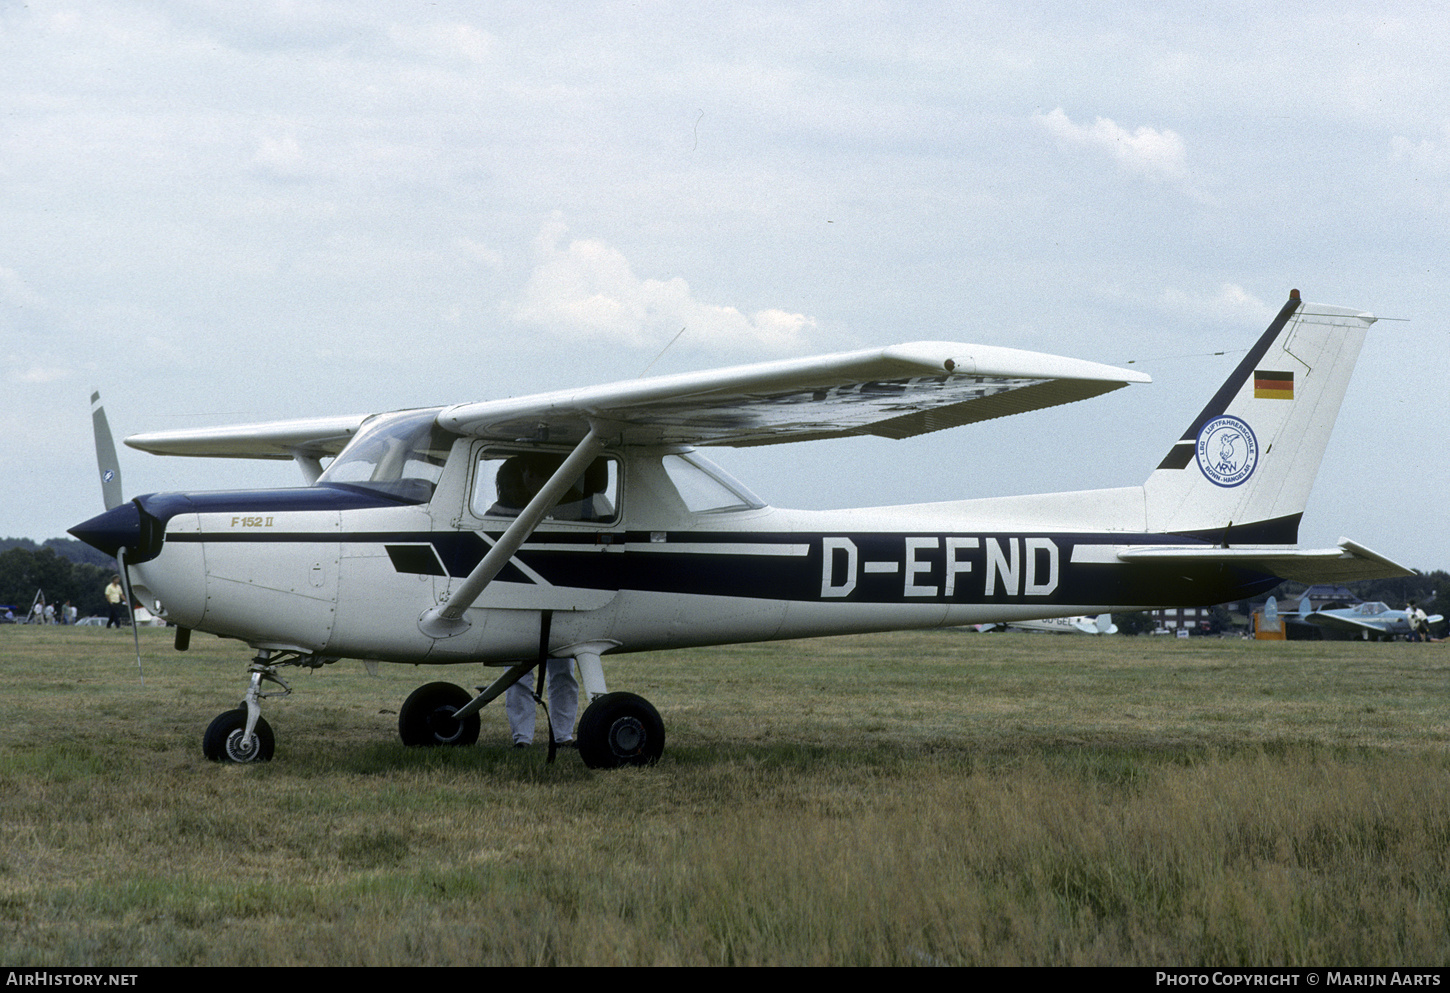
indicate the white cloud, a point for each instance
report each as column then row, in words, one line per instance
column 1146, row 151
column 41, row 375
column 587, row 290
column 1425, row 156
column 281, row 158
column 1231, row 303
column 490, row 258
column 14, row 291
column 448, row 41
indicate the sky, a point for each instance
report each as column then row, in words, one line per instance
column 218, row 213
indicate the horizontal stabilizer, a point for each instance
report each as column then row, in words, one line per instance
column 1350, row 561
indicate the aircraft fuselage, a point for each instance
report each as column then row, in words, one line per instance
column 340, row 572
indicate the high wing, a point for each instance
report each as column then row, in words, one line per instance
column 316, row 437
column 892, row 392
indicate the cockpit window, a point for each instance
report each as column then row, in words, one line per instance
column 705, row 487
column 401, row 455
column 505, row 483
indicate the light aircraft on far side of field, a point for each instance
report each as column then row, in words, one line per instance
column 1082, row 624
column 585, row 523
column 1371, row 621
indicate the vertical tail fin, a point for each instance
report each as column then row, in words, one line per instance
column 1242, row 471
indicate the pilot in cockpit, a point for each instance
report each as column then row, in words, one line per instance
column 513, row 495
column 522, row 476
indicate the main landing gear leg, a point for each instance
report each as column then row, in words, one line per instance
column 617, row 729
column 242, row 735
column 431, row 716
column 445, row 714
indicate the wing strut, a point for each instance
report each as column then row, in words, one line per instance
column 516, row 672
column 446, row 619
column 309, row 463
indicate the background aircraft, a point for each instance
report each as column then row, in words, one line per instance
column 585, row 523
column 1082, row 624
column 1371, row 621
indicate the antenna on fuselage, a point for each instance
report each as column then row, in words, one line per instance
column 662, row 353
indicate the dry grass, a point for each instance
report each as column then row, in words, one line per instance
column 932, row 798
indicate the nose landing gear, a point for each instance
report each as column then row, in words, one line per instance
column 242, row 735
column 228, row 740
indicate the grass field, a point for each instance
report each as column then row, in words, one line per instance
column 917, row 799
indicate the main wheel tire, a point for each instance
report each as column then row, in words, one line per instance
column 427, row 717
column 620, row 729
column 223, row 741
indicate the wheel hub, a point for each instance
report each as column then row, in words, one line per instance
column 627, row 736
column 240, row 748
column 444, row 725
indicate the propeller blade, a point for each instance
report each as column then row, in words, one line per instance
column 106, row 461
column 130, row 606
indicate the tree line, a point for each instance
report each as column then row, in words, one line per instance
column 26, row 568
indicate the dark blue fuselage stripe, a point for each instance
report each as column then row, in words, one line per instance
column 918, row 575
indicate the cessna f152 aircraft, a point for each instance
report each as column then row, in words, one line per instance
column 584, row 523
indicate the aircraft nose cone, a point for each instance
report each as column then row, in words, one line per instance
column 120, row 526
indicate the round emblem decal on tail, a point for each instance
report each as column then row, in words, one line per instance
column 1227, row 451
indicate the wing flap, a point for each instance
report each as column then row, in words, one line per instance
column 1349, row 561
column 893, row 392
column 315, row 437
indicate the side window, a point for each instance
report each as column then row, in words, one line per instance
column 706, row 490
column 505, row 482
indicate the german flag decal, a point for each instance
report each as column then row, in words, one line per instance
column 1273, row 385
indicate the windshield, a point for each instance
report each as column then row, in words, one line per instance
column 401, row 455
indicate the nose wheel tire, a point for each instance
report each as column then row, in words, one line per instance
column 427, row 719
column 224, row 740
column 620, row 729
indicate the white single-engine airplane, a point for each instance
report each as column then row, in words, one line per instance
column 582, row 523
column 1370, row 621
column 1080, row 624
